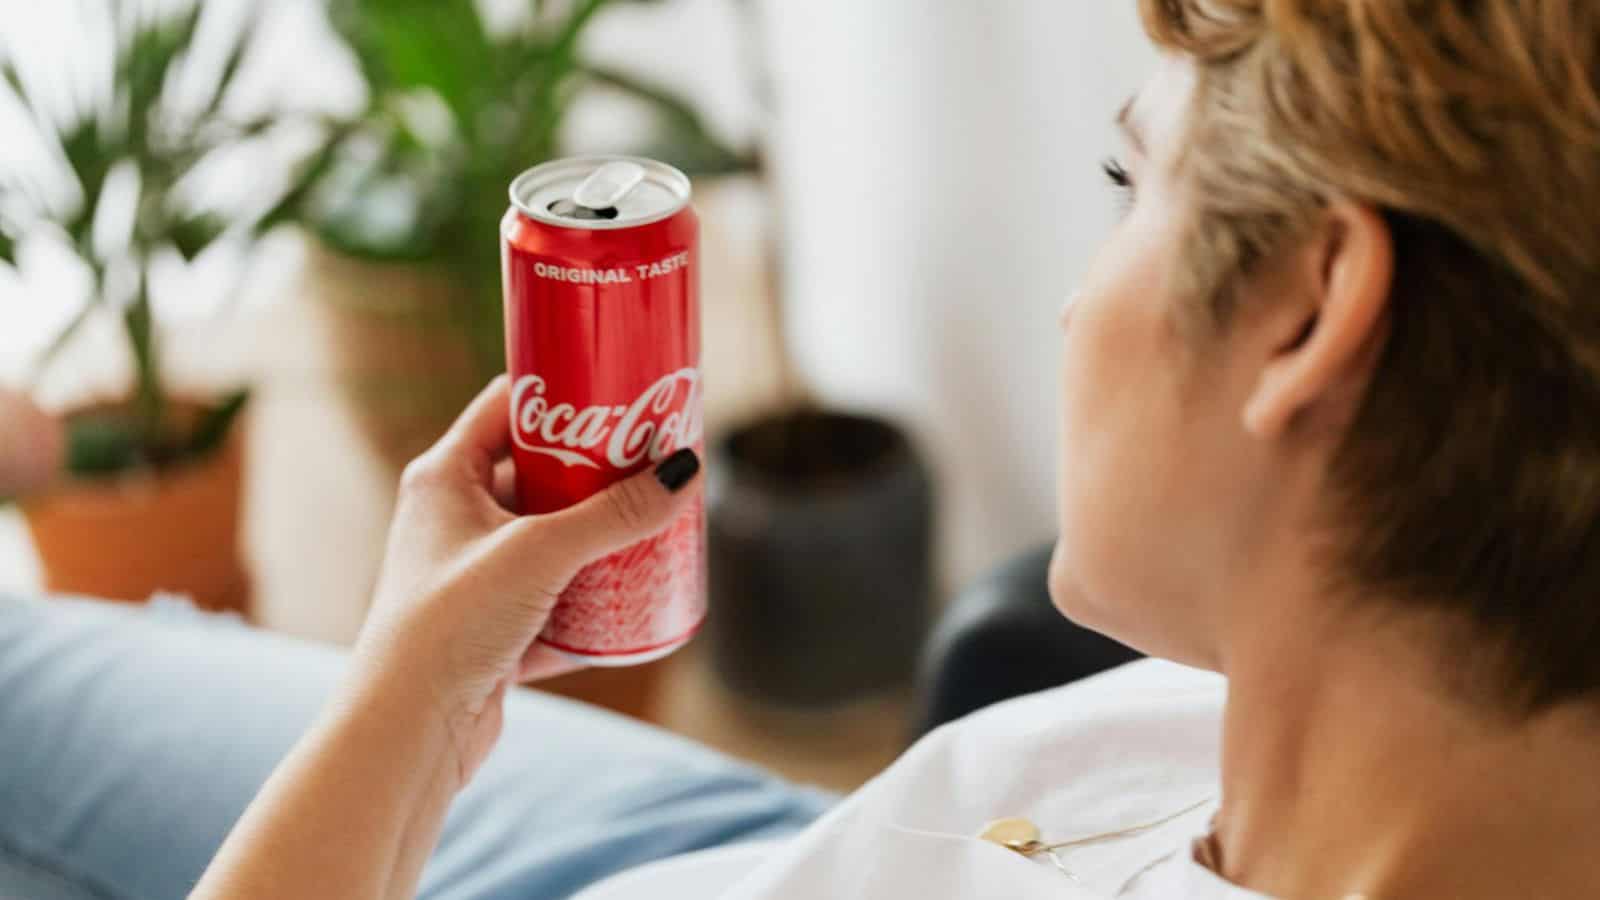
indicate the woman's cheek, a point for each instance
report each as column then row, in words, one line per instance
column 1085, row 431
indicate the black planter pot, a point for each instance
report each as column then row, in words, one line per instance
column 821, row 558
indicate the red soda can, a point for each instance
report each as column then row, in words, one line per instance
column 601, row 270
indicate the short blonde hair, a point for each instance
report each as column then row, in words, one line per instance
column 1470, row 481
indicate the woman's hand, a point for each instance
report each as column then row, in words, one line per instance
column 356, row 807
column 467, row 584
column 32, row 445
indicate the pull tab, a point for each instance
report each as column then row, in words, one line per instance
column 608, row 185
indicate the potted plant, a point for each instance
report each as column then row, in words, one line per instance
column 152, row 497
column 406, row 261
column 821, row 544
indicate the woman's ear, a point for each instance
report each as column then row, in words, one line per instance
column 1345, row 271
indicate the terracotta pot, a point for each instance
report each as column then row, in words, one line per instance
column 125, row 538
column 402, row 364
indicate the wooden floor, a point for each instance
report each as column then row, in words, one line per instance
column 319, row 500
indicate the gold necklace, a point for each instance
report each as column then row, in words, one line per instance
column 1022, row 837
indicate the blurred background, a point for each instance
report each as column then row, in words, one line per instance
column 250, row 249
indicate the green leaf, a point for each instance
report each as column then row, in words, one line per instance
column 194, row 234
column 214, row 425
column 62, row 340
column 102, row 444
column 566, row 41
column 149, row 390
column 13, row 80
column 91, row 154
column 685, row 141
column 147, row 60
column 307, row 177
column 407, row 45
column 403, row 204
column 230, row 64
column 110, row 440
column 537, row 90
column 8, row 249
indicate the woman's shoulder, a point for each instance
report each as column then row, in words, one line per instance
column 1149, row 729
column 1153, row 690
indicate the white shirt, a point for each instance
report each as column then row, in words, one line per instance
column 1116, row 751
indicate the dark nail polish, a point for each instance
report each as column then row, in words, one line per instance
column 677, row 469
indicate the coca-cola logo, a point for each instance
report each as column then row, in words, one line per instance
column 663, row 418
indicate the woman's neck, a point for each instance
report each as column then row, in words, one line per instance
column 1346, row 771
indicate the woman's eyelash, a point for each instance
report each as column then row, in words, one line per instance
column 1117, row 173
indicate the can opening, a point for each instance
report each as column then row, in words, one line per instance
column 567, row 209
column 600, row 193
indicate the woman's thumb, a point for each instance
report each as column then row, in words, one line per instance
column 626, row 512
column 32, row 446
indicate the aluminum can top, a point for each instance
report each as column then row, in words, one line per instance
column 601, row 193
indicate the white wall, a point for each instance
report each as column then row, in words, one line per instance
column 938, row 163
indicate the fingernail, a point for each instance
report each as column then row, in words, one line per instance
column 677, row 469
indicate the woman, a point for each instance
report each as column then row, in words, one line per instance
column 1330, row 394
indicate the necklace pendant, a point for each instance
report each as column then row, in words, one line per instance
column 1016, row 834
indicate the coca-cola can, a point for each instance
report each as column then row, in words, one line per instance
column 601, row 272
